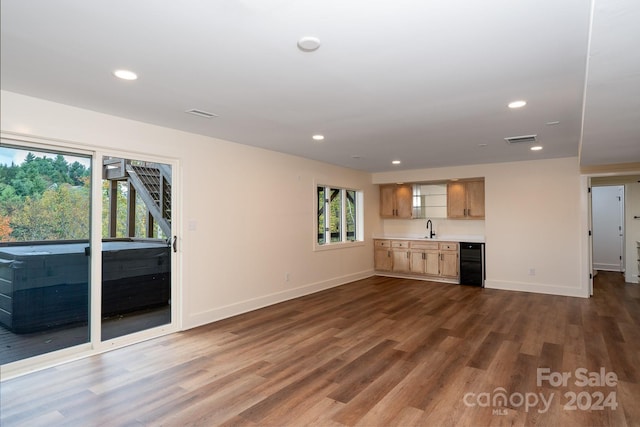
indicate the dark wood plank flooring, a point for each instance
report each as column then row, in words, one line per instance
column 377, row 352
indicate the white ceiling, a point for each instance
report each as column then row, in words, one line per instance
column 425, row 82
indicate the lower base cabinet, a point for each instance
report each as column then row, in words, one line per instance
column 382, row 260
column 430, row 259
column 449, row 265
column 425, row 258
column 401, row 256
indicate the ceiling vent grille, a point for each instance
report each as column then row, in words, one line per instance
column 201, row 113
column 521, row 139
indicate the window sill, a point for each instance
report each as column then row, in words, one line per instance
column 341, row 245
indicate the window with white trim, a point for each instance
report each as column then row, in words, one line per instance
column 339, row 218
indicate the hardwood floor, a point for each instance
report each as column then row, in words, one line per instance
column 377, row 352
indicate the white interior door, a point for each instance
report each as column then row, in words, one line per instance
column 608, row 227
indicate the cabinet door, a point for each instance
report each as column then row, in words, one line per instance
column 387, row 201
column 432, row 263
column 449, row 263
column 417, row 262
column 382, row 259
column 456, row 200
column 401, row 260
column 404, row 201
column 475, row 199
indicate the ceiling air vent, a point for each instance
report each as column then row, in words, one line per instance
column 519, row 139
column 201, row 113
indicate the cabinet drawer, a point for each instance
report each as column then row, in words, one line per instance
column 400, row 244
column 382, row 244
column 448, row 246
column 424, row 245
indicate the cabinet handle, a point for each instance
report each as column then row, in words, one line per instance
column 388, row 254
column 423, row 256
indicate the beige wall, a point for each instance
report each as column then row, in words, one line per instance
column 253, row 209
column 534, row 218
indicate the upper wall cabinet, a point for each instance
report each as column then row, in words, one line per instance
column 465, row 199
column 396, row 201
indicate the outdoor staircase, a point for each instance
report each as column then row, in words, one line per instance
column 151, row 181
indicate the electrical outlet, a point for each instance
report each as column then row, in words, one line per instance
column 532, row 272
column 286, row 277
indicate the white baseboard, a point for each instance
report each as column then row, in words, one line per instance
column 538, row 288
column 417, row 277
column 631, row 278
column 606, row 267
column 219, row 313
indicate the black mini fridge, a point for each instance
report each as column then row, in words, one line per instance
column 472, row 264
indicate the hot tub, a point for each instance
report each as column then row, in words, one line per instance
column 46, row 285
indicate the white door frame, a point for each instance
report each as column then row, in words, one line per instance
column 96, row 262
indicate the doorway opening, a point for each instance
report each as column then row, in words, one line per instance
column 625, row 214
column 607, row 204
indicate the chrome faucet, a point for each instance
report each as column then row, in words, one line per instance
column 432, row 234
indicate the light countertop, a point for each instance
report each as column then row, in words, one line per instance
column 443, row 238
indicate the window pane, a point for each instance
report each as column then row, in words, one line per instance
column 321, row 217
column 45, row 200
column 335, row 225
column 351, row 216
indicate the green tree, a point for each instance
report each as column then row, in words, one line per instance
column 10, row 201
column 62, row 213
column 78, row 174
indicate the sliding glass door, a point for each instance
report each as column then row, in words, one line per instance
column 136, row 246
column 85, row 260
column 45, row 205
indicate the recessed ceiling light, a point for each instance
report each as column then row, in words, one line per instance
column 517, row 104
column 308, row 44
column 482, row 145
column 125, row 75
column 536, row 148
column 318, row 137
column 555, row 122
column 396, row 162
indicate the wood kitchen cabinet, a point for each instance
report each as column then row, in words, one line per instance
column 382, row 260
column 396, row 201
column 465, row 199
column 449, row 260
column 401, row 256
column 425, row 258
column 432, row 260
